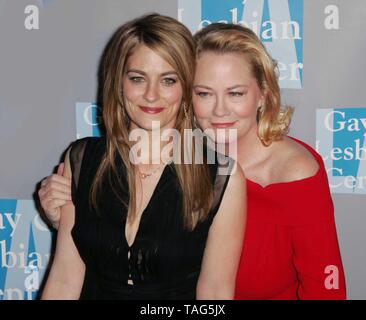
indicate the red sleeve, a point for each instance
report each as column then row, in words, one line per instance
column 316, row 253
column 318, row 262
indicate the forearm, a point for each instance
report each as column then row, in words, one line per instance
column 57, row 290
column 59, row 286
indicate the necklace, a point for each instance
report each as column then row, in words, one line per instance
column 146, row 175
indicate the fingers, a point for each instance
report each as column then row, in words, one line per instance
column 59, row 178
column 52, row 210
column 52, row 202
column 56, row 179
column 60, row 169
column 52, row 207
column 55, row 194
column 54, row 187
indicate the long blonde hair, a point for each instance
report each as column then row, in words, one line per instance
column 175, row 44
column 273, row 120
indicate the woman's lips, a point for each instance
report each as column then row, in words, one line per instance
column 222, row 125
column 151, row 110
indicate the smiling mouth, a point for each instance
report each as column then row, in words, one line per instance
column 151, row 110
column 222, row 125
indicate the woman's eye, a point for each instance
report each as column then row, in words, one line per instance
column 203, row 94
column 169, row 81
column 236, row 94
column 136, row 79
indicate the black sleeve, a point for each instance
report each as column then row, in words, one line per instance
column 224, row 169
column 76, row 156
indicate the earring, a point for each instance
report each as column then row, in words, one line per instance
column 259, row 112
column 185, row 109
column 261, row 109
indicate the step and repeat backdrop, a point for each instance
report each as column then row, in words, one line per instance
column 49, row 56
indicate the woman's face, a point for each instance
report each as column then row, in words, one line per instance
column 225, row 95
column 151, row 89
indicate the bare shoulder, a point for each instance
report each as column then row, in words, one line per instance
column 296, row 161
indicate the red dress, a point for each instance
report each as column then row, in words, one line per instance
column 291, row 248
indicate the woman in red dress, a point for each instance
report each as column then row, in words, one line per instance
column 290, row 248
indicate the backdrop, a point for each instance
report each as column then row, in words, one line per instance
column 49, row 56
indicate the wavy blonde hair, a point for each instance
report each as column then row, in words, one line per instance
column 273, row 120
column 175, row 44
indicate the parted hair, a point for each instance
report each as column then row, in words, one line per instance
column 174, row 43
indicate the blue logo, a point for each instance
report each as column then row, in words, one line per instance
column 88, row 120
column 340, row 135
column 278, row 23
column 25, row 246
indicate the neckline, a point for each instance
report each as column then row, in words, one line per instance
column 145, row 210
column 293, row 182
column 284, row 183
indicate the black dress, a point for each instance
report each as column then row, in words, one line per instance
column 165, row 259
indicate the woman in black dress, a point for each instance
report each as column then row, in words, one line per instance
column 150, row 230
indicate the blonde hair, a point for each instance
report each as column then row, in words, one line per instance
column 175, row 44
column 273, row 121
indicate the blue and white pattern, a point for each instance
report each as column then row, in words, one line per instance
column 88, row 120
column 341, row 141
column 278, row 23
column 25, row 247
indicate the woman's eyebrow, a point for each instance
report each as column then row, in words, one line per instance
column 172, row 72
column 201, row 86
column 136, row 71
column 238, row 86
column 169, row 73
column 230, row 88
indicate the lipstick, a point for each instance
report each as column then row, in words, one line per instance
column 151, row 110
column 222, row 125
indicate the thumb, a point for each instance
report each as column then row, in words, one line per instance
column 60, row 169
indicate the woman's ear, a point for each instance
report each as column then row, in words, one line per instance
column 262, row 99
column 263, row 92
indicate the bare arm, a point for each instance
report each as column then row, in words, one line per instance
column 67, row 272
column 224, row 243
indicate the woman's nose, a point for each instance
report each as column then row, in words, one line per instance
column 220, row 109
column 152, row 92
